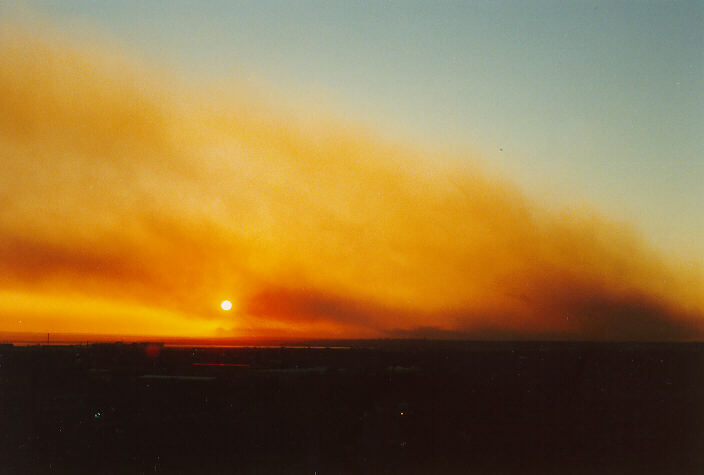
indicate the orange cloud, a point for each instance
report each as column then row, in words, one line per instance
column 122, row 188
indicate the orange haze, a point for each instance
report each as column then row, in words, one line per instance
column 132, row 204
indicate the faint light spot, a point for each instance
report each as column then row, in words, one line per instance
column 401, row 412
column 97, row 415
column 152, row 350
column 226, row 305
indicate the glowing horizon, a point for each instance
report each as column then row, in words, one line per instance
column 133, row 202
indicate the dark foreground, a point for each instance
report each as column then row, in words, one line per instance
column 397, row 407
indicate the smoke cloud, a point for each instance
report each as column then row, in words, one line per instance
column 132, row 203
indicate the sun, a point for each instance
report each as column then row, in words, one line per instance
column 226, row 305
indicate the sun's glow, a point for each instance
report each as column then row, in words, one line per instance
column 226, row 305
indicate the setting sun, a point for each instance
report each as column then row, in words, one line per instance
column 226, row 305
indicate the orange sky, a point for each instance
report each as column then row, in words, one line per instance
column 134, row 204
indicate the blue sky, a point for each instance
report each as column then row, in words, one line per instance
column 587, row 101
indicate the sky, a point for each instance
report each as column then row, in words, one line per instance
column 351, row 169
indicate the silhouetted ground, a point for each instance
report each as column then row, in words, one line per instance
column 395, row 407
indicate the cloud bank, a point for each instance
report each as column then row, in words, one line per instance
column 132, row 203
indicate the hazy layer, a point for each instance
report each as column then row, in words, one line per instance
column 133, row 204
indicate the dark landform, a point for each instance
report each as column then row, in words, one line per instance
column 393, row 407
